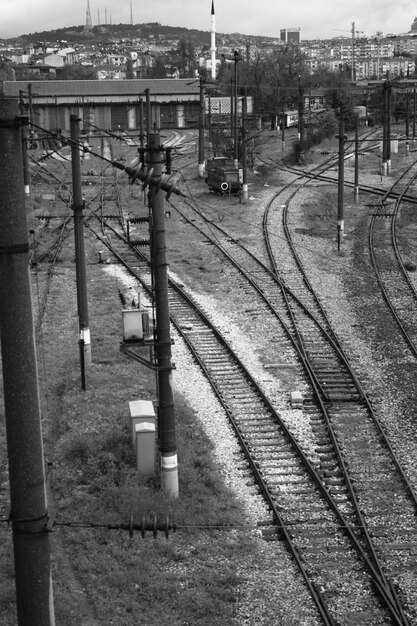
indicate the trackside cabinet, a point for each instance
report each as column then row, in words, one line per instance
column 145, row 447
column 132, row 325
column 143, row 432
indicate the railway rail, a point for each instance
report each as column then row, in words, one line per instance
column 393, row 278
column 264, row 437
column 330, row 522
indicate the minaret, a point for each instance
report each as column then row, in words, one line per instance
column 213, row 41
column 88, row 23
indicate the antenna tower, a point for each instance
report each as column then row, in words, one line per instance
column 88, row 21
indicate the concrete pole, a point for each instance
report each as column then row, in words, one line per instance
column 29, row 513
column 201, row 168
column 78, row 208
column 168, row 447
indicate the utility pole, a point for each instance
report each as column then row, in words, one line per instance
column 353, row 52
column 407, row 122
column 384, row 128
column 148, row 114
column 244, row 151
column 341, row 180
column 78, row 209
column 232, row 108
column 28, row 511
column 166, row 416
column 26, row 177
column 356, row 192
column 141, row 133
column 201, row 168
column 300, row 120
column 389, row 106
column 235, row 129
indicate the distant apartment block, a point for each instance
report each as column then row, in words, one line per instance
column 290, row 35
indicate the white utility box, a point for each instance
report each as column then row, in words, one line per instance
column 132, row 325
column 141, row 411
column 296, row 399
column 145, row 447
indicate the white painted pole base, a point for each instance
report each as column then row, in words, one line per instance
column 169, row 475
column 356, row 194
column 384, row 169
column 201, row 170
column 85, row 338
column 27, row 190
column 389, row 166
column 245, row 193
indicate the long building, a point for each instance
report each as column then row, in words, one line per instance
column 108, row 104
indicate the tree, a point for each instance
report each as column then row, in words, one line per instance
column 77, row 72
column 186, row 58
column 158, row 70
column 6, row 73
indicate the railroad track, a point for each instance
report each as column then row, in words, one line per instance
column 307, row 487
column 349, row 415
column 398, row 290
column 286, row 473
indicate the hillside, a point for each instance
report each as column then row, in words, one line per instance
column 152, row 32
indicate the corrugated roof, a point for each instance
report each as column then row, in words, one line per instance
column 91, row 88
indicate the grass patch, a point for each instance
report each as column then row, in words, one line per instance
column 103, row 576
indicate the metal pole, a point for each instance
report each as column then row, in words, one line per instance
column 244, row 151
column 414, row 114
column 389, row 93
column 29, row 515
column 78, row 208
column 232, row 107
column 341, row 180
column 384, row 129
column 300, row 118
column 209, row 119
column 201, row 168
column 235, row 129
column 356, row 194
column 148, row 115
column 168, row 448
column 407, row 122
column 141, row 134
column 26, row 177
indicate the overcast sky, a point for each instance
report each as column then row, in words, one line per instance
column 315, row 18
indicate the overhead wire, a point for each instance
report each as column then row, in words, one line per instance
column 241, row 220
